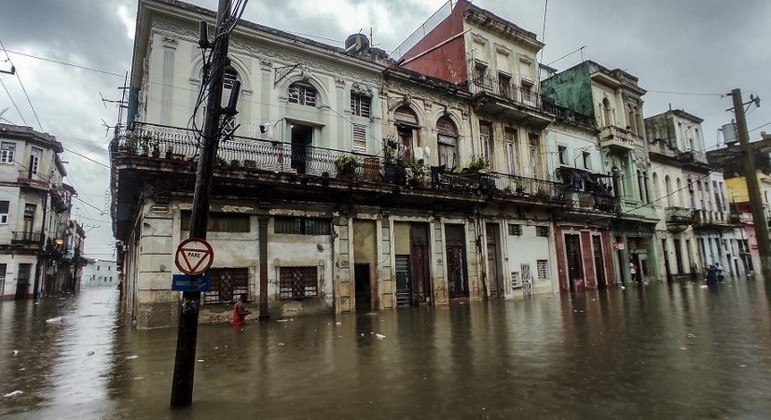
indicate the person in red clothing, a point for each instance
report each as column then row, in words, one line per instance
column 240, row 312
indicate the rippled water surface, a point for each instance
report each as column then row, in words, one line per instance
column 659, row 351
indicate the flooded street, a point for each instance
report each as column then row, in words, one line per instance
column 675, row 351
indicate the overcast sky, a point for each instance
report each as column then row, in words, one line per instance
column 697, row 48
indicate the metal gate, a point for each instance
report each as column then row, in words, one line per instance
column 457, row 280
column 403, row 281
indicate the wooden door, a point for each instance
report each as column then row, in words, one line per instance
column 457, row 277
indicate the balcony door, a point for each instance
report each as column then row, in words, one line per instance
column 29, row 222
column 302, row 139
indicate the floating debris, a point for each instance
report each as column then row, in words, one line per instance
column 91, row 353
column 15, row 353
column 282, row 320
column 13, row 394
column 338, row 323
column 200, row 360
column 132, row 357
column 57, row 319
column 379, row 336
column 282, row 344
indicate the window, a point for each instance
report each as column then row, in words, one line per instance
column 360, row 138
column 360, row 105
column 563, row 154
column 98, row 268
column 535, row 153
column 4, row 212
column 221, row 222
column 587, row 160
column 298, row 283
column 480, row 74
column 606, row 112
column 515, row 230
column 542, row 231
column 447, row 139
column 542, row 269
column 108, row 268
column 511, row 149
column 7, row 152
column 485, row 136
column 2, row 279
column 504, row 85
column 34, row 160
column 226, row 285
column 527, row 92
column 301, row 226
column 515, row 284
column 302, row 94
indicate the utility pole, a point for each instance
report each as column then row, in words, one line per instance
column 184, row 362
column 753, row 188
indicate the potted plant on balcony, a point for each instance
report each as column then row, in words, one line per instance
column 346, row 166
column 169, row 153
column 235, row 163
column 541, row 192
column 415, row 173
column 477, row 165
column 519, row 188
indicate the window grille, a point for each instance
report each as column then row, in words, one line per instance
column 515, row 283
column 515, row 230
column 541, row 267
column 360, row 105
column 542, row 231
column 4, row 205
column 302, row 94
column 227, row 284
column 301, row 226
column 298, row 283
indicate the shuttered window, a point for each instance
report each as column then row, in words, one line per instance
column 221, row 222
column 7, row 152
column 515, row 230
column 447, row 139
column 405, row 115
column 360, row 105
column 302, row 94
column 360, row 138
column 542, row 267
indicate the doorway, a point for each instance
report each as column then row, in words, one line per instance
column 403, row 281
column 419, row 258
column 575, row 267
column 493, row 261
column 457, row 280
column 22, row 285
column 679, row 256
column 599, row 263
column 361, row 280
column 302, row 139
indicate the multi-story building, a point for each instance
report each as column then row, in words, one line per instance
column 614, row 100
column 733, row 169
column 361, row 182
column 100, row 273
column 34, row 214
column 696, row 228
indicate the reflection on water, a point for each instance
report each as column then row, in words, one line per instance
column 666, row 350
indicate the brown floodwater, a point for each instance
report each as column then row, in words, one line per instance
column 679, row 351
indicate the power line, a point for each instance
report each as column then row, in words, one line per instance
column 85, row 157
column 759, row 127
column 13, row 102
column 685, row 93
column 23, row 89
column 50, row 60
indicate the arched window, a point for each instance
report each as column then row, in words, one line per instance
column 656, row 187
column 632, row 122
column 679, row 186
column 407, row 129
column 646, row 188
column 641, row 186
column 447, row 141
column 302, row 93
column 606, row 112
column 668, row 190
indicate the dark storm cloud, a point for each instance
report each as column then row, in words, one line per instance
column 82, row 28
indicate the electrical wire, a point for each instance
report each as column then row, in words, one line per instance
column 23, row 89
column 65, row 63
column 13, row 102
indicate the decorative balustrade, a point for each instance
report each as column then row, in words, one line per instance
column 679, row 215
column 150, row 141
column 707, row 218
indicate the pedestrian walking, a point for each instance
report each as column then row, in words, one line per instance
column 711, row 276
column 633, row 271
column 719, row 268
column 240, row 312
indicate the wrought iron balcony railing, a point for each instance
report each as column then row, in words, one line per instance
column 27, row 238
column 152, row 141
column 679, row 215
column 519, row 94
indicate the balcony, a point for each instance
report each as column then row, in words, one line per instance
column 250, row 163
column 634, row 209
column 678, row 218
column 693, row 156
column 712, row 220
column 509, row 100
column 29, row 179
column 26, row 238
column 616, row 137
